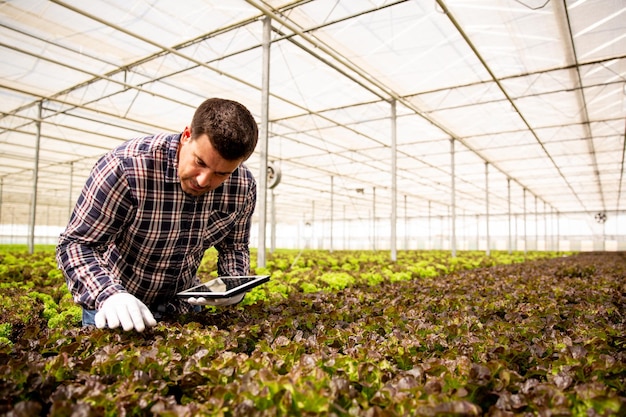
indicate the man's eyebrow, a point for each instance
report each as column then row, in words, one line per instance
column 217, row 172
column 224, row 172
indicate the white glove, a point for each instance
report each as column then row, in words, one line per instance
column 217, row 302
column 125, row 309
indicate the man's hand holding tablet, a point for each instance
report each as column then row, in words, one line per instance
column 223, row 291
column 217, row 302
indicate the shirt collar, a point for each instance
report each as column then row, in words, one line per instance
column 172, row 158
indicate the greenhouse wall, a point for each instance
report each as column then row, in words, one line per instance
column 570, row 233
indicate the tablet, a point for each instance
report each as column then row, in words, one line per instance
column 224, row 287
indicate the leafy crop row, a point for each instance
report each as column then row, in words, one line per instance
column 343, row 333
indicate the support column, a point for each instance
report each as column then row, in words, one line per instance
column 374, row 218
column 536, row 225
column 487, row 219
column 69, row 198
column 452, row 200
column 332, row 210
column 263, row 142
column 394, row 184
column 558, row 231
column 545, row 226
column 33, row 206
column 508, row 193
column 1, row 190
column 273, row 221
column 525, row 226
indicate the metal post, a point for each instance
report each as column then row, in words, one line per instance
column 558, row 231
column 488, row 251
column 374, row 218
column 524, row 223
column 69, row 198
column 332, row 207
column 1, row 188
column 394, row 184
column 536, row 225
column 516, row 218
column 263, row 141
column 508, row 187
column 452, row 199
column 33, row 207
column 273, row 211
column 545, row 226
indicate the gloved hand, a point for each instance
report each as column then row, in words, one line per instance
column 217, row 302
column 126, row 310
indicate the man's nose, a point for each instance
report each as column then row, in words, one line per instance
column 204, row 179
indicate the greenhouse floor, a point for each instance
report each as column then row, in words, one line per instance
column 341, row 334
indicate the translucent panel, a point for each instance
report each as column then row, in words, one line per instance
column 530, row 95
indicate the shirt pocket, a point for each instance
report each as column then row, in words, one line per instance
column 218, row 225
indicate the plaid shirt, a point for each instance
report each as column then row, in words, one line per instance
column 134, row 229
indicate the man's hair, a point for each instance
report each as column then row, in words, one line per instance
column 229, row 125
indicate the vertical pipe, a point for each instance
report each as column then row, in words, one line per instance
column 558, row 231
column 374, row 218
column 508, row 193
column 536, row 225
column 545, row 226
column 553, row 225
column 69, row 199
column 332, row 210
column 394, row 184
column 524, row 223
column 1, row 191
column 33, row 206
column 452, row 199
column 263, row 141
column 273, row 222
column 488, row 251
column 516, row 233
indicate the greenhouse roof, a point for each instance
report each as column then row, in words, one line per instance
column 496, row 105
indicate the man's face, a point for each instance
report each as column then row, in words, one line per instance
column 200, row 167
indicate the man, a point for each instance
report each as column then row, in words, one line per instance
column 149, row 210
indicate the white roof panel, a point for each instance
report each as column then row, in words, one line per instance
column 532, row 90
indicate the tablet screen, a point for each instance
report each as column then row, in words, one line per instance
column 221, row 287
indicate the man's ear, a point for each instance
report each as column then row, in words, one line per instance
column 186, row 132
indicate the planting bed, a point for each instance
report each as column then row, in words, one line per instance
column 343, row 333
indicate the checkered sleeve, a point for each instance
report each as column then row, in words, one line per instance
column 103, row 208
column 233, row 250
